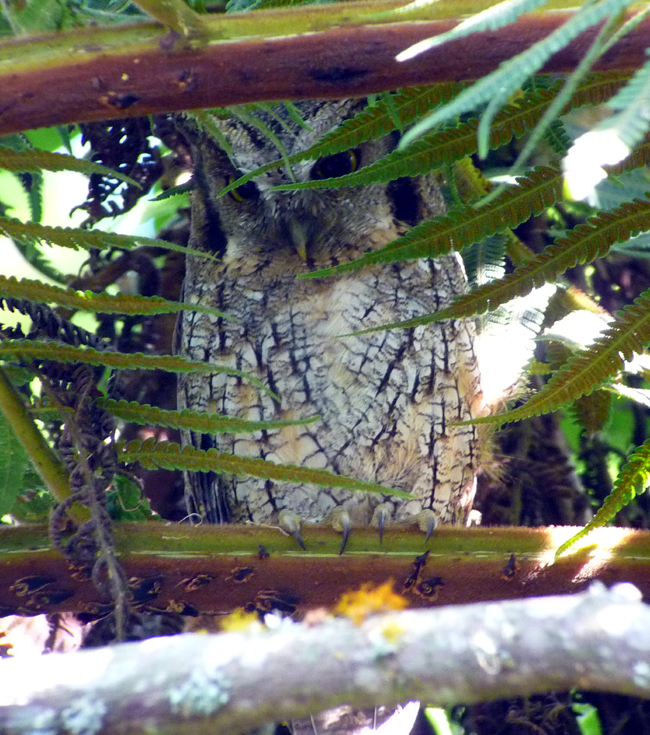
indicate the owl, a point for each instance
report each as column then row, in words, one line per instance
column 387, row 400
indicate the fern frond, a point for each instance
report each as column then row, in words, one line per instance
column 585, row 243
column 373, row 122
column 70, row 237
column 632, row 121
column 584, row 372
column 42, row 350
column 485, row 260
column 632, row 480
column 496, row 88
column 100, row 302
column 592, row 411
column 168, row 455
column 598, row 87
column 440, row 147
column 492, row 18
column 206, row 423
column 37, row 160
column 463, row 226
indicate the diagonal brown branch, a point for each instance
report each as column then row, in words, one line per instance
column 328, row 51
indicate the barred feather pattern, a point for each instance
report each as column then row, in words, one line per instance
column 388, row 399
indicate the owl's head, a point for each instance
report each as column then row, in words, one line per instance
column 318, row 226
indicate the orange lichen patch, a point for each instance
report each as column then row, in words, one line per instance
column 369, row 600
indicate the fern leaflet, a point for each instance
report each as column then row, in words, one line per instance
column 462, row 227
column 70, row 237
column 169, row 455
column 89, row 301
column 631, row 480
column 584, row 372
column 206, row 423
column 584, row 244
column 36, row 160
column 42, row 350
column 496, row 88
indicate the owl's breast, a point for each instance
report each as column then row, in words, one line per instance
column 386, row 398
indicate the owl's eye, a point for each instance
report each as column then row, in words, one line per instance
column 246, row 191
column 337, row 165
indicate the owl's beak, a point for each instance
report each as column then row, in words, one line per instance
column 301, row 232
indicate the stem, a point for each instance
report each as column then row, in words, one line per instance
column 42, row 456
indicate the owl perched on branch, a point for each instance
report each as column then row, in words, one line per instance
column 387, row 400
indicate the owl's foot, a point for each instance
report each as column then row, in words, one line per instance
column 341, row 521
column 291, row 523
column 427, row 522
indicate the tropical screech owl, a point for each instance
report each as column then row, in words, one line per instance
column 387, row 399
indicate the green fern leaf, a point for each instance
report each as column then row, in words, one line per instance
column 373, row 122
column 43, row 350
column 440, row 147
column 168, row 455
column 586, row 371
column 631, row 480
column 461, row 227
column 37, row 160
column 584, row 244
column 206, row 423
column 70, row 237
column 598, row 87
column 492, row 18
column 100, row 302
column 632, row 121
column 496, row 88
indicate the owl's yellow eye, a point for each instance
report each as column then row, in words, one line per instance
column 339, row 164
column 246, row 191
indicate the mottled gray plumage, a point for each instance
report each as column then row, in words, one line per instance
column 386, row 399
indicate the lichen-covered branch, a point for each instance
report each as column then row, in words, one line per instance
column 232, row 682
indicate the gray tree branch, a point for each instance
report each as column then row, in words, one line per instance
column 598, row 640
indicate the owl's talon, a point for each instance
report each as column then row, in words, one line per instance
column 342, row 523
column 380, row 518
column 291, row 523
column 427, row 522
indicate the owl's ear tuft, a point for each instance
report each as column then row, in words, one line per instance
column 338, row 164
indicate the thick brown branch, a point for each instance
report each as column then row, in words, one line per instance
column 216, row 569
column 191, row 683
column 88, row 75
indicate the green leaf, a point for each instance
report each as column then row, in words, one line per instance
column 584, row 372
column 206, row 423
column 14, row 462
column 496, row 88
column 100, row 302
column 632, row 480
column 70, row 237
column 168, row 455
column 461, row 227
column 37, row 160
column 585, row 243
column 126, row 502
column 373, row 122
column 492, row 18
column 43, row 350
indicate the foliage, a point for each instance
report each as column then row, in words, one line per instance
column 444, row 127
